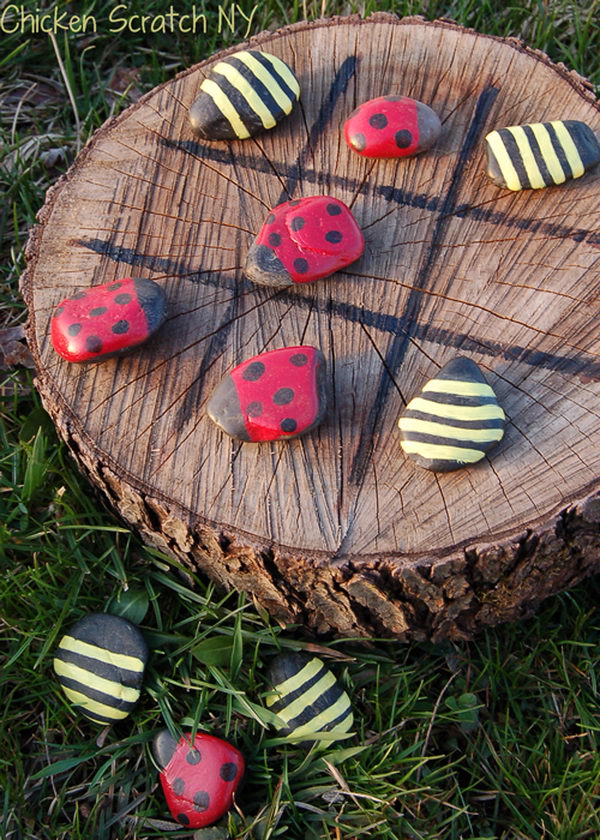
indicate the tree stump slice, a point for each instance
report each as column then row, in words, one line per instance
column 338, row 530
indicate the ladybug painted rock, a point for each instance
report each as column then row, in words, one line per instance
column 100, row 665
column 279, row 394
column 199, row 778
column 109, row 320
column 303, row 240
column 391, row 126
column 307, row 698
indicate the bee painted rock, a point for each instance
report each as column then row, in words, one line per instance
column 391, row 127
column 279, row 394
column 454, row 420
column 244, row 94
column 100, row 665
column 306, row 698
column 199, row 778
column 529, row 157
column 109, row 320
column 304, row 240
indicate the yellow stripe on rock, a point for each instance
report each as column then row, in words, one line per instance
column 427, row 427
column 536, row 179
column 441, row 452
column 91, row 680
column 459, row 387
column 310, row 670
column 285, row 72
column 225, row 106
column 509, row 173
column 310, row 696
column 456, row 412
column 261, row 73
column 326, row 717
column 247, row 91
column 548, row 153
column 119, row 660
column 94, row 706
column 569, row 147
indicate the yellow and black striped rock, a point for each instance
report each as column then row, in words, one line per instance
column 244, row 94
column 454, row 420
column 100, row 665
column 306, row 697
column 528, row 157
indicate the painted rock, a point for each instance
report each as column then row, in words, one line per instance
column 198, row 778
column 392, row 126
column 454, row 420
column 244, row 94
column 109, row 320
column 100, row 665
column 529, row 157
column 279, row 394
column 304, row 240
column 306, row 697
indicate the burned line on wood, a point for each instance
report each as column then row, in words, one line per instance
column 397, row 348
column 585, row 365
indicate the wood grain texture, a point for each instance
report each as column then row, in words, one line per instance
column 339, row 529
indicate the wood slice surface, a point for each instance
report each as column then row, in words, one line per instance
column 339, row 530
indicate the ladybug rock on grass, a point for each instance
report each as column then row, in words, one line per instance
column 199, row 778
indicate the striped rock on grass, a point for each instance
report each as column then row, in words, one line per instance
column 307, row 699
column 529, row 157
column 454, row 420
column 246, row 93
column 100, row 665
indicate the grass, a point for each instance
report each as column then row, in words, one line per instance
column 497, row 738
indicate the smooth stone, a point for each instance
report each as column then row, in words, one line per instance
column 537, row 155
column 279, row 394
column 244, row 94
column 100, row 665
column 392, row 127
column 455, row 419
column 307, row 699
column 304, row 240
column 109, row 320
column 199, row 778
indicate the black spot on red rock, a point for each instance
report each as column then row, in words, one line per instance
column 193, row 757
column 358, row 140
column 228, row 771
column 254, row 409
column 253, row 372
column 378, row 121
column 201, row 800
column 297, row 223
column 78, row 296
column 97, row 311
column 333, row 236
column 123, row 299
column 301, row 265
column 295, row 202
column 270, row 219
column 299, row 359
column 178, row 786
column 288, row 425
column 403, row 138
column 74, row 329
column 334, row 209
column 120, row 327
column 114, row 286
column 283, row 396
column 274, row 239
column 93, row 344
column 58, row 312
column 183, row 819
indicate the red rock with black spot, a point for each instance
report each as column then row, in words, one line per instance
column 304, row 240
column 392, row 127
column 108, row 320
column 199, row 778
column 275, row 395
